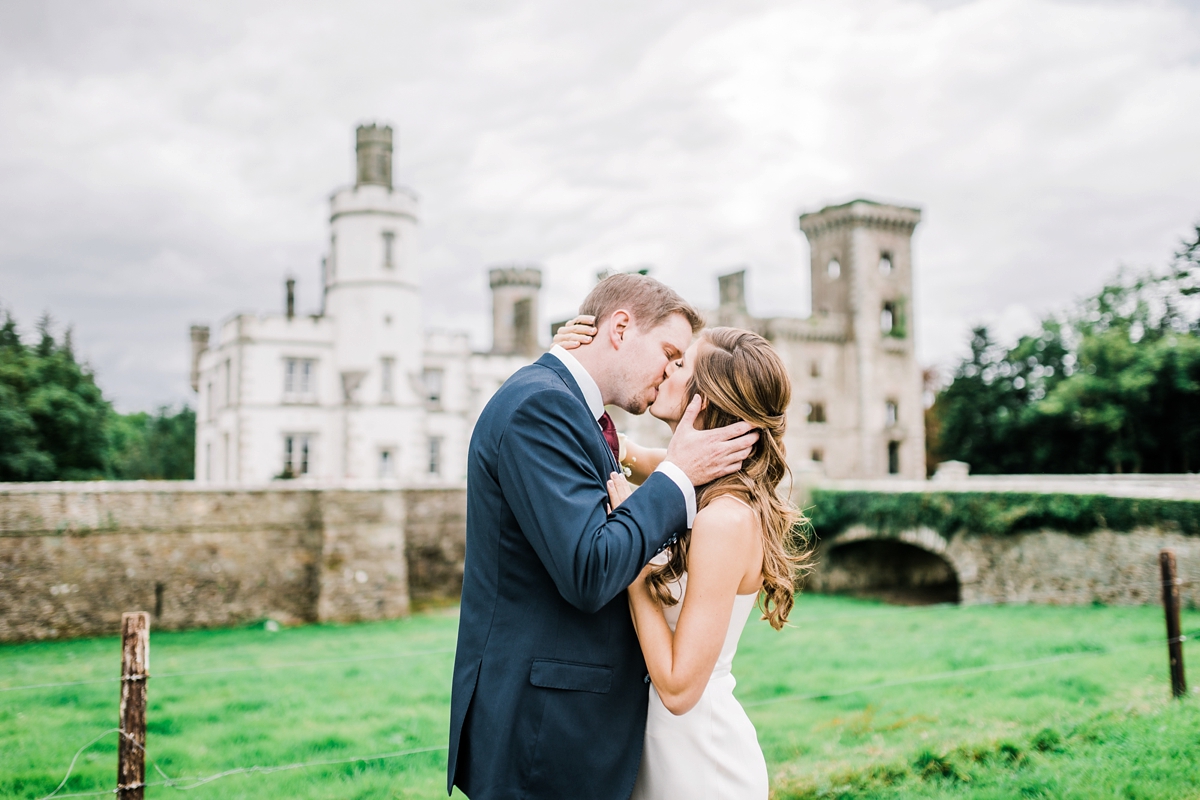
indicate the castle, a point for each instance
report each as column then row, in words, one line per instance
column 362, row 392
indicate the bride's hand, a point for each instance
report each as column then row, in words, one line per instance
column 576, row 332
column 618, row 489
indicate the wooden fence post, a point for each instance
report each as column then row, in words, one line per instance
column 1170, row 588
column 135, row 671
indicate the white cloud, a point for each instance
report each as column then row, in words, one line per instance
column 165, row 165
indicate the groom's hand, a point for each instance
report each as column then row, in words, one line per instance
column 705, row 456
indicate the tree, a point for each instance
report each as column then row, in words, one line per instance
column 52, row 415
column 159, row 446
column 1111, row 386
column 55, row 423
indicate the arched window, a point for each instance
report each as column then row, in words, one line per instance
column 891, row 414
column 885, row 263
column 887, row 318
column 833, row 269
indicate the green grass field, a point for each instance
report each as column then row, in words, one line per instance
column 1092, row 719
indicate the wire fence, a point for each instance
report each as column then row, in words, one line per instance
column 226, row 670
column 188, row 783
column 890, row 610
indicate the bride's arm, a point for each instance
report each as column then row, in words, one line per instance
column 680, row 664
column 641, row 461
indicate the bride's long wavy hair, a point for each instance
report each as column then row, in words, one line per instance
column 742, row 378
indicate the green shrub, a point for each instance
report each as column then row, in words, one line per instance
column 995, row 513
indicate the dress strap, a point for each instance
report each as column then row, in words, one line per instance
column 734, row 497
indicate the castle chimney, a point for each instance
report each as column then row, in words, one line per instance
column 199, row 346
column 291, row 298
column 374, row 148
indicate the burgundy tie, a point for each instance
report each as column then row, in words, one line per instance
column 610, row 435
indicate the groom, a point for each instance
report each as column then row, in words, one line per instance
column 549, row 698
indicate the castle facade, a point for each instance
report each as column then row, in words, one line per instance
column 362, row 392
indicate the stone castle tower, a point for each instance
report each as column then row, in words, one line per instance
column 372, row 295
column 862, row 281
column 515, row 310
column 857, row 407
column 360, row 391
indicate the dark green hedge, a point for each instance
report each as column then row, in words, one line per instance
column 995, row 513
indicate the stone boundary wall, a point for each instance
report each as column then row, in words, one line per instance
column 74, row 556
column 1043, row 566
column 1050, row 567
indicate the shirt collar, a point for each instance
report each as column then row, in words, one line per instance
column 587, row 385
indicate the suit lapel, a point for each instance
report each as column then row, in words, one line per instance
column 560, row 369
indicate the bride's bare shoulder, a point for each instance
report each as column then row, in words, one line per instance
column 726, row 516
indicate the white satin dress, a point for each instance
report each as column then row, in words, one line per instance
column 711, row 752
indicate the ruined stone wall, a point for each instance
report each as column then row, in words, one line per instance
column 872, row 554
column 1110, row 567
column 1051, row 567
column 436, row 540
column 73, row 557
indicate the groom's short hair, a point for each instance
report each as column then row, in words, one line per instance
column 647, row 300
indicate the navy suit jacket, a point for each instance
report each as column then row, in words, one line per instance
column 549, row 698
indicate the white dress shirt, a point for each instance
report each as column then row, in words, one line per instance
column 595, row 404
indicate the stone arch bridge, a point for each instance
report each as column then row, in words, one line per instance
column 917, row 564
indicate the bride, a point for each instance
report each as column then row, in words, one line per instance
column 690, row 607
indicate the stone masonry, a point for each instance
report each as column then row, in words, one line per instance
column 73, row 557
column 1045, row 566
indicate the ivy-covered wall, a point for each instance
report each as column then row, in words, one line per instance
column 996, row 513
column 1002, row 547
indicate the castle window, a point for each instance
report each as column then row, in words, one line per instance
column 209, row 406
column 208, row 461
column 885, row 264
column 435, row 455
column 387, row 463
column 387, row 368
column 389, row 243
column 833, row 269
column 815, row 369
column 299, row 384
column 893, row 458
column 524, row 337
column 296, row 451
column 816, row 412
column 887, row 318
column 891, row 414
column 433, row 379
column 331, row 262
column 818, row 455
column 228, row 382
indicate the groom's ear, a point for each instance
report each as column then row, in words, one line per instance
column 621, row 324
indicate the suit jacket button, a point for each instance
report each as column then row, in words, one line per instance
column 647, row 678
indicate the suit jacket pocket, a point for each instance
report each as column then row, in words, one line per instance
column 551, row 674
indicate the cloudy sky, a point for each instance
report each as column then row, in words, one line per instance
column 164, row 164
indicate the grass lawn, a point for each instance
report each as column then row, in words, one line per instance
column 1092, row 719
